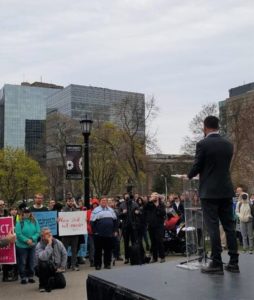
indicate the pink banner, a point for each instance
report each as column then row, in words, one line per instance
column 8, row 253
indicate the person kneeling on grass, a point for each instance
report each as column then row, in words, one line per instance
column 51, row 259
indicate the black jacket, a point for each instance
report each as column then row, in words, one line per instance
column 212, row 163
column 129, row 219
column 154, row 215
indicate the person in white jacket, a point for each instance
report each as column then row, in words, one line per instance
column 245, row 215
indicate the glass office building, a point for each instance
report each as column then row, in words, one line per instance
column 23, row 109
column 18, row 104
column 35, row 138
column 76, row 101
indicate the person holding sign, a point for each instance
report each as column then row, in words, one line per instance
column 38, row 203
column 3, row 211
column 104, row 225
column 51, row 259
column 72, row 240
column 10, row 271
column 9, row 239
column 28, row 232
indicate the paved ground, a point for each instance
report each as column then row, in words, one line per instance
column 75, row 289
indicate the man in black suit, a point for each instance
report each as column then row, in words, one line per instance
column 212, row 163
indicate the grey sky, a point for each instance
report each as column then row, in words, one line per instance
column 185, row 53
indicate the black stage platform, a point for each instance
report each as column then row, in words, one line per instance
column 166, row 281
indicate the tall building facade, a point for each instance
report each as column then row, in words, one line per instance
column 76, row 101
column 22, row 108
column 237, row 123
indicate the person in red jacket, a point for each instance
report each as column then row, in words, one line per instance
column 171, row 222
column 95, row 203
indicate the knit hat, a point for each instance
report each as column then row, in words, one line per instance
column 26, row 210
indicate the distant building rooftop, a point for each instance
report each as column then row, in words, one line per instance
column 242, row 89
column 169, row 158
column 42, row 85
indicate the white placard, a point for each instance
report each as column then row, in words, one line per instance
column 72, row 223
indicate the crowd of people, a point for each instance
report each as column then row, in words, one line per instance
column 140, row 221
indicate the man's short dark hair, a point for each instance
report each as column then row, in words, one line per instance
column 211, row 122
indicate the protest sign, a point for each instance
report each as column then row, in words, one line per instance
column 8, row 253
column 47, row 219
column 72, row 223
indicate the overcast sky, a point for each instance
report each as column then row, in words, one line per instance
column 185, row 52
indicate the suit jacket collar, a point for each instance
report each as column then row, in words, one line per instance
column 213, row 134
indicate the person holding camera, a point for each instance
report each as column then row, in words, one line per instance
column 155, row 213
column 245, row 213
column 128, row 210
column 51, row 259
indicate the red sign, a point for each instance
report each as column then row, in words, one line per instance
column 8, row 253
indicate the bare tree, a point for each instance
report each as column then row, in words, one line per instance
column 104, row 166
column 134, row 116
column 196, row 128
column 238, row 122
column 118, row 151
column 61, row 130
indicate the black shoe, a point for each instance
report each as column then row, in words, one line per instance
column 119, row 259
column 50, row 286
column 31, row 280
column 126, row 261
column 23, row 281
column 233, row 268
column 42, row 288
column 107, row 267
column 81, row 261
column 213, row 268
column 97, row 268
column 91, row 264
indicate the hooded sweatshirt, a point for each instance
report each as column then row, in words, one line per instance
column 243, row 209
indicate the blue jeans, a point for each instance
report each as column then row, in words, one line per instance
column 25, row 259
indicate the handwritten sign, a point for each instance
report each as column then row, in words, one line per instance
column 47, row 219
column 8, row 253
column 72, row 223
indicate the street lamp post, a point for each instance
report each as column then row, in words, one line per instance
column 129, row 186
column 86, row 126
column 166, row 186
